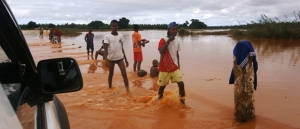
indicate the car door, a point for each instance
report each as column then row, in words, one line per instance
column 8, row 117
column 26, row 85
column 13, row 116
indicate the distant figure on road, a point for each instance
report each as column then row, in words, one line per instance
column 41, row 32
column 89, row 39
column 51, row 34
column 57, row 33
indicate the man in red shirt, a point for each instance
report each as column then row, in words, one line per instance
column 58, row 34
column 169, row 62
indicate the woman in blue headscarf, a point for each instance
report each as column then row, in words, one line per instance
column 244, row 78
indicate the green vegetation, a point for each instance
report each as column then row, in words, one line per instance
column 264, row 28
column 71, row 32
column 184, row 32
column 272, row 28
column 95, row 24
column 237, row 32
column 123, row 23
column 196, row 24
column 75, row 29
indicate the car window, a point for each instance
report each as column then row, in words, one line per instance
column 10, row 95
column 8, row 117
column 8, row 88
column 3, row 56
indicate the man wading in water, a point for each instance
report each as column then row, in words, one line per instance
column 169, row 62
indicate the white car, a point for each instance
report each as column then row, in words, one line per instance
column 27, row 90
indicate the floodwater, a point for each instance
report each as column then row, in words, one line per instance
column 206, row 63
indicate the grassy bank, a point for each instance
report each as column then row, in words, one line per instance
column 272, row 28
column 71, row 32
column 264, row 28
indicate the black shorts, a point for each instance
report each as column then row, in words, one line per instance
column 90, row 46
column 116, row 61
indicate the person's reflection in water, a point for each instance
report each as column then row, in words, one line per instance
column 92, row 68
column 172, row 113
column 137, row 82
column 88, row 58
column 59, row 48
column 155, row 86
column 102, row 65
column 250, row 124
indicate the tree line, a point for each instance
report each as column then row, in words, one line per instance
column 124, row 23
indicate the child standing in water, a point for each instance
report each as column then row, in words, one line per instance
column 100, row 51
column 169, row 62
column 138, row 42
column 154, row 69
column 114, row 53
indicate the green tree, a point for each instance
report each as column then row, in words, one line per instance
column 95, row 24
column 186, row 24
column 51, row 25
column 123, row 23
column 72, row 25
column 196, row 24
column 31, row 25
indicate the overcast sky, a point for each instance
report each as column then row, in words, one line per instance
column 211, row 12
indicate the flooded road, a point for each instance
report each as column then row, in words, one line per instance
column 206, row 63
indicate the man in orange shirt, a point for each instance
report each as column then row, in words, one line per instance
column 137, row 49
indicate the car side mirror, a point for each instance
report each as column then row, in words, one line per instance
column 59, row 75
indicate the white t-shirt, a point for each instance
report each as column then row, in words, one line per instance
column 114, row 46
column 173, row 48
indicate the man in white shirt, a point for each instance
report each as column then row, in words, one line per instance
column 114, row 53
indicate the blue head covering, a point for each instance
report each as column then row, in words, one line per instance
column 172, row 24
column 242, row 51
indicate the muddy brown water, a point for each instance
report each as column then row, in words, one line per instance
column 206, row 62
